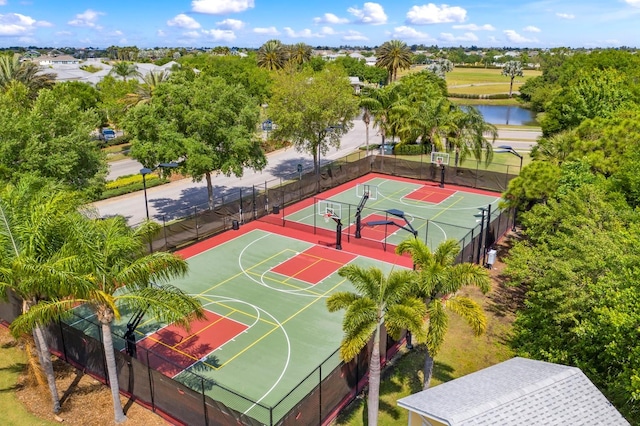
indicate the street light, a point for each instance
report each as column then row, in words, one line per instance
column 144, row 172
column 510, row 150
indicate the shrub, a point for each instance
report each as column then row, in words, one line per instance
column 127, row 184
column 409, row 149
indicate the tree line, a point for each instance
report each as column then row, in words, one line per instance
column 578, row 204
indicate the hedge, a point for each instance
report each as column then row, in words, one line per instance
column 128, row 184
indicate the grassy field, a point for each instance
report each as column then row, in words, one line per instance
column 12, row 362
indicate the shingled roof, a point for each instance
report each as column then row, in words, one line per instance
column 519, row 392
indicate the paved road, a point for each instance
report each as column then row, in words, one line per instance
column 172, row 200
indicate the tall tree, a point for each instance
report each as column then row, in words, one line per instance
column 49, row 137
column 300, row 53
column 27, row 73
column 313, row 110
column 205, row 123
column 144, row 92
column 36, row 263
column 377, row 300
column 512, row 69
column 471, row 134
column 394, row 55
column 118, row 277
column 272, row 55
column 382, row 104
column 438, row 281
column 125, row 70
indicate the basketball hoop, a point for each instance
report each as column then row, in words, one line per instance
column 439, row 162
column 327, row 217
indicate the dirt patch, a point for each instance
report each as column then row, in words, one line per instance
column 84, row 400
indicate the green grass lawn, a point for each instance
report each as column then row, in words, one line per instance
column 12, row 362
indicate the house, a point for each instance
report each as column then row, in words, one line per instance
column 356, row 84
column 520, row 392
column 56, row 60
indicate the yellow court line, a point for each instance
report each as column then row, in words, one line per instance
column 306, row 290
column 275, row 328
column 204, row 328
column 173, row 349
column 318, row 260
column 238, row 311
column 321, row 258
column 447, row 208
column 246, row 270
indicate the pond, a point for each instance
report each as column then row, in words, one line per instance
column 502, row 114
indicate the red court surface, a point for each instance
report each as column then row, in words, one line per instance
column 429, row 194
column 378, row 232
column 176, row 349
column 314, row 264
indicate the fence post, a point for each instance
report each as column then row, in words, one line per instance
column 253, row 194
column 204, row 402
column 241, row 216
column 195, row 216
column 153, row 400
column 320, row 394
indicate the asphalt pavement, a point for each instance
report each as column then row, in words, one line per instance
column 174, row 199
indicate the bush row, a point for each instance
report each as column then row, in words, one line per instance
column 478, row 96
column 128, row 184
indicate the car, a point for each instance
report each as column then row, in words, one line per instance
column 108, row 134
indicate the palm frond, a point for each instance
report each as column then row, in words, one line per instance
column 437, row 327
column 470, row 311
column 41, row 314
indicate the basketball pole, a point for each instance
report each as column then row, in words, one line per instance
column 442, row 175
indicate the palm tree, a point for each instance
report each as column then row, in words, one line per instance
column 36, row 263
column 144, row 92
column 125, row 69
column 471, row 134
column 300, row 53
column 28, row 73
column 438, row 281
column 119, row 277
column 512, row 69
column 394, row 55
column 378, row 300
column 382, row 104
column 272, row 55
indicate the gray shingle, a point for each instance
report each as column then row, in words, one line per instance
column 517, row 392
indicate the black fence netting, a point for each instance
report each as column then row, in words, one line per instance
column 191, row 398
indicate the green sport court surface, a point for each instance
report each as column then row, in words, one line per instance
column 435, row 213
column 264, row 288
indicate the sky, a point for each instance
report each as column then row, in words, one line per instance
column 250, row 23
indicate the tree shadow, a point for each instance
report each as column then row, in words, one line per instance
column 442, row 372
column 288, row 169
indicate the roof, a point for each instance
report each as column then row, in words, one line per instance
column 520, row 392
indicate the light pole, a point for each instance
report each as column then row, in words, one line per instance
column 510, row 150
column 144, row 172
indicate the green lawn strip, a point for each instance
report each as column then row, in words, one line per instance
column 484, row 89
column 12, row 362
column 461, row 354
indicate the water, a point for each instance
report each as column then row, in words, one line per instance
column 502, row 114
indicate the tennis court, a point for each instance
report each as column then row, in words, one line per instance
column 434, row 213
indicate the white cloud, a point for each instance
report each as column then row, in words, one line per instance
column 220, row 7
column 327, row 31
column 193, row 34
column 3, row 2
column 306, row 33
column 405, row 32
column 432, row 14
column 354, row 36
column 161, row 33
column 183, row 21
column 64, row 33
column 565, row 15
column 44, row 24
column 531, row 29
column 474, row 27
column 514, row 37
column 272, row 31
column 13, row 24
column 371, row 13
column 451, row 38
column 230, row 24
column 330, row 18
column 634, row 3
column 220, row 35
column 88, row 18
column 117, row 33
